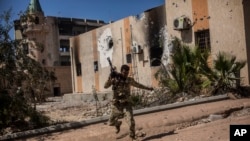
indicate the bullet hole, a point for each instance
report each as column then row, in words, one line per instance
column 110, row 43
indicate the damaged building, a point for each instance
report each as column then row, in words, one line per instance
column 144, row 41
column 134, row 40
column 77, row 49
column 53, row 34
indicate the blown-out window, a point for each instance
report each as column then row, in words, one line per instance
column 155, row 56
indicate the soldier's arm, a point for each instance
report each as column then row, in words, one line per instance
column 108, row 83
column 139, row 85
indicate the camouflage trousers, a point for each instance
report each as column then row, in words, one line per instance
column 119, row 111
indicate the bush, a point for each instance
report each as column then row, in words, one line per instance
column 17, row 115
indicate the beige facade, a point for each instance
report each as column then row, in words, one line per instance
column 225, row 22
column 63, row 84
column 127, row 41
column 218, row 25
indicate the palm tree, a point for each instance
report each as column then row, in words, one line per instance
column 188, row 69
column 226, row 72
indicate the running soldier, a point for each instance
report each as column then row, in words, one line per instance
column 121, row 103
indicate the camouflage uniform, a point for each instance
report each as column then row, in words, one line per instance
column 121, row 103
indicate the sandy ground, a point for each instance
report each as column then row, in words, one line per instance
column 202, row 122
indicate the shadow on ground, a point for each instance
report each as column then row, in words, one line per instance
column 159, row 136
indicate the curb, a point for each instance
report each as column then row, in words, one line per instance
column 73, row 125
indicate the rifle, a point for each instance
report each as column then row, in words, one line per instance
column 113, row 73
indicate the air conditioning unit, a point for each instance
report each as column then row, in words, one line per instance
column 136, row 49
column 182, row 23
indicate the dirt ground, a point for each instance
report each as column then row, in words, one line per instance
column 202, row 122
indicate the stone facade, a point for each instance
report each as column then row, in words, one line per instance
column 52, row 34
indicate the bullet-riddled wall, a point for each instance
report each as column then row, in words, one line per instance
column 221, row 25
column 135, row 40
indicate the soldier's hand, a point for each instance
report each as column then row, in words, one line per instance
column 112, row 80
column 113, row 74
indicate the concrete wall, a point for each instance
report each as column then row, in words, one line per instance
column 225, row 19
column 63, row 82
column 64, row 78
column 52, row 43
column 44, row 34
column 94, row 46
column 175, row 9
column 227, row 30
column 246, row 11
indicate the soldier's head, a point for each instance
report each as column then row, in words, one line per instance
column 125, row 70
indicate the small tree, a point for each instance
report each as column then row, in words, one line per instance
column 22, row 81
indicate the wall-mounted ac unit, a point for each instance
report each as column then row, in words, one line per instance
column 136, row 49
column 182, row 23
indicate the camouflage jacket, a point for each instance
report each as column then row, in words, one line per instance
column 121, row 87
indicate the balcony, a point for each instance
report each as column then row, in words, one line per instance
column 64, row 53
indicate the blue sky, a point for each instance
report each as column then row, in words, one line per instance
column 107, row 10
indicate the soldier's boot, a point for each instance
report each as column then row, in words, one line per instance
column 117, row 126
column 134, row 138
column 140, row 134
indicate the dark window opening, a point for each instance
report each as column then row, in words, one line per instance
column 64, row 48
column 64, row 45
column 78, row 29
column 96, row 66
column 65, row 63
column 79, row 69
column 202, row 39
column 65, row 60
column 44, row 62
column 57, row 91
column 65, row 29
column 155, row 56
column 129, row 58
column 36, row 20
